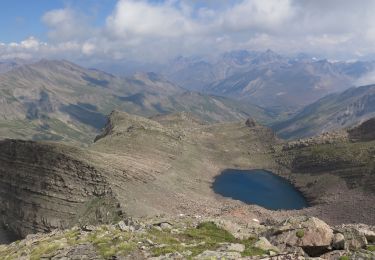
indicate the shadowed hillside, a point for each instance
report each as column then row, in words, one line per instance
column 335, row 111
column 61, row 101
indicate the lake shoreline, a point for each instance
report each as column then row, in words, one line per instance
column 260, row 187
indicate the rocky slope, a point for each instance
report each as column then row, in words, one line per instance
column 335, row 169
column 336, row 111
column 9, row 64
column 136, row 163
column 166, row 165
column 187, row 237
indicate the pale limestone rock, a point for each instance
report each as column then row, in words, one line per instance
column 265, row 245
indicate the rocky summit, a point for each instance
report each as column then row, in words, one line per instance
column 144, row 190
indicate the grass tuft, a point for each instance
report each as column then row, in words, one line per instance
column 300, row 233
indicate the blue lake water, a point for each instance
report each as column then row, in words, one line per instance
column 259, row 187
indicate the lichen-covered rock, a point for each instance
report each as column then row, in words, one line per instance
column 84, row 251
column 252, row 229
column 291, row 256
column 338, row 241
column 232, row 247
column 265, row 245
column 334, row 255
column 218, row 255
column 309, row 233
column 365, row 230
column 354, row 237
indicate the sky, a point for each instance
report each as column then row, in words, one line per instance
column 155, row 31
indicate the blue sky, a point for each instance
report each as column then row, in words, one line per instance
column 157, row 30
column 21, row 19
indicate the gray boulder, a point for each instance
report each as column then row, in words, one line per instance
column 265, row 245
column 309, row 233
column 338, row 241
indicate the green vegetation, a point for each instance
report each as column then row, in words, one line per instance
column 110, row 241
column 300, row 233
column 88, row 213
column 206, row 236
column 210, row 233
column 344, row 257
column 250, row 250
column 371, row 248
column 44, row 249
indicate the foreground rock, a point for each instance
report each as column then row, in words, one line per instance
column 311, row 235
column 193, row 238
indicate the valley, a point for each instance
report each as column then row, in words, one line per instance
column 141, row 168
column 65, row 164
column 68, row 164
column 187, row 130
column 136, row 163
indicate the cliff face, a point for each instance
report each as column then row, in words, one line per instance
column 44, row 186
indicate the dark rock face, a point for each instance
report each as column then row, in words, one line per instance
column 363, row 132
column 250, row 122
column 42, row 188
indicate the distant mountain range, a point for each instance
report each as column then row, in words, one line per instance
column 335, row 111
column 59, row 100
column 272, row 81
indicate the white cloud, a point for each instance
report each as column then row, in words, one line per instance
column 141, row 30
column 139, row 18
column 367, row 79
column 66, row 25
column 31, row 43
column 88, row 48
column 258, row 15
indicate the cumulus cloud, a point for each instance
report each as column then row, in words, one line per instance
column 67, row 25
column 141, row 19
column 149, row 31
column 258, row 15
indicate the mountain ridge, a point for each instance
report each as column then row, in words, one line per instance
column 59, row 100
column 335, row 111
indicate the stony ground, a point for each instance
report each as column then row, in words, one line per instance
column 186, row 237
